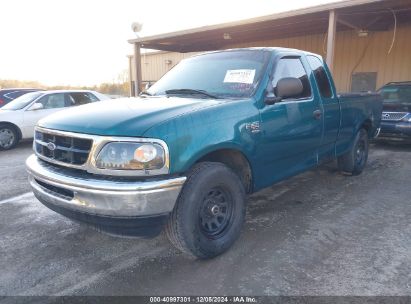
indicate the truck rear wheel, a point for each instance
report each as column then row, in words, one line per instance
column 354, row 161
column 209, row 212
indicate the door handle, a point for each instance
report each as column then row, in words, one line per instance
column 317, row 114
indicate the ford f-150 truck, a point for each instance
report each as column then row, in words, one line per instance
column 185, row 154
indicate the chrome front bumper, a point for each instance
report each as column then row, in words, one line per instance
column 66, row 189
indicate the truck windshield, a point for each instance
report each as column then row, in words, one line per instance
column 228, row 74
column 22, row 101
column 396, row 94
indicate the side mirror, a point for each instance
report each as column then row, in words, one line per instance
column 148, row 85
column 289, row 87
column 36, row 106
column 286, row 87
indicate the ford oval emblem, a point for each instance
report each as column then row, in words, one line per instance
column 51, row 146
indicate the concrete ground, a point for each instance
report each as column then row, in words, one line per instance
column 319, row 233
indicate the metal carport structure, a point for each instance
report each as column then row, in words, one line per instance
column 329, row 19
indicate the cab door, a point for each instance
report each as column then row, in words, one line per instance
column 291, row 129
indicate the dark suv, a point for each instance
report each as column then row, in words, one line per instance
column 7, row 95
column 396, row 115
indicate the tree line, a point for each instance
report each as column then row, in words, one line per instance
column 116, row 88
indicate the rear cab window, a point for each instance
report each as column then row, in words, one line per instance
column 320, row 76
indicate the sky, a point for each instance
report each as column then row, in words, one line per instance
column 84, row 42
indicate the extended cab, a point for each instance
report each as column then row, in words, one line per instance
column 185, row 154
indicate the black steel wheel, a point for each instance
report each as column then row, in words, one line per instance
column 360, row 153
column 209, row 213
column 215, row 212
column 353, row 162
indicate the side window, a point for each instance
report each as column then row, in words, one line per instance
column 320, row 76
column 80, row 98
column 52, row 101
column 292, row 67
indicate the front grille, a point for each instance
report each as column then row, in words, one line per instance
column 65, row 149
column 393, row 116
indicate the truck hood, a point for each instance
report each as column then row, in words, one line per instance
column 123, row 117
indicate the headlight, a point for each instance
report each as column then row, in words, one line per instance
column 131, row 156
column 407, row 118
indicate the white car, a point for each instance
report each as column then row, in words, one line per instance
column 19, row 117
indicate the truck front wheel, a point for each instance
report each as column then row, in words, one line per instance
column 209, row 213
column 354, row 161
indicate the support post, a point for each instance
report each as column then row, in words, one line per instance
column 137, row 63
column 332, row 30
column 130, row 76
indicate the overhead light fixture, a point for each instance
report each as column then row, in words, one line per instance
column 168, row 61
column 362, row 33
column 136, row 27
column 226, row 36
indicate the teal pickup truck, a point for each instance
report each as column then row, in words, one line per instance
column 185, row 154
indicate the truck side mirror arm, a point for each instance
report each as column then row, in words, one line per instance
column 287, row 87
column 270, row 98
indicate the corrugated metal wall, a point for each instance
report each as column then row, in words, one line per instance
column 155, row 65
column 366, row 54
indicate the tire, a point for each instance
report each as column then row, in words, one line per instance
column 353, row 162
column 209, row 212
column 9, row 137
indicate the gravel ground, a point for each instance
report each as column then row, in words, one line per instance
column 319, row 233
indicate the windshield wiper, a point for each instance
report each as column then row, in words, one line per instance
column 191, row 92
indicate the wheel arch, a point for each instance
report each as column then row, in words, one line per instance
column 368, row 126
column 233, row 158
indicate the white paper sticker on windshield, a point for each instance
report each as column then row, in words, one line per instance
column 240, row 76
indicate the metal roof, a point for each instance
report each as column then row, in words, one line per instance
column 258, row 48
column 372, row 15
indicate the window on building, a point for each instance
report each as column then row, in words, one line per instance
column 364, row 82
